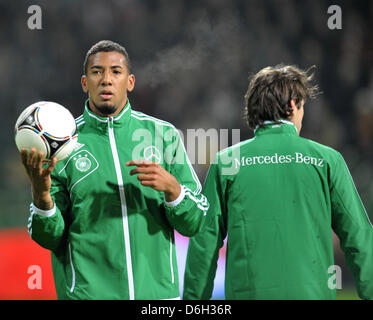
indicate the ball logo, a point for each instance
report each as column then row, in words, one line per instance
column 83, row 164
column 151, row 153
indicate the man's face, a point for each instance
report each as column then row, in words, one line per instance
column 107, row 82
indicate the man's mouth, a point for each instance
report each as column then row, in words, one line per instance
column 106, row 95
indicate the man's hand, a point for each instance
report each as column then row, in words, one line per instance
column 155, row 176
column 40, row 178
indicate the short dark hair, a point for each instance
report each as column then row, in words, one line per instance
column 271, row 90
column 106, row 46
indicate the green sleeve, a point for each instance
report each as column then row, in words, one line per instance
column 50, row 231
column 203, row 250
column 351, row 223
column 188, row 216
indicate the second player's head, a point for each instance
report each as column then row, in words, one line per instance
column 107, row 77
column 277, row 93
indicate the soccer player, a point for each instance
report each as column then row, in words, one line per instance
column 279, row 207
column 108, row 212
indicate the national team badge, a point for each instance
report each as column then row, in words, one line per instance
column 80, row 166
column 83, row 163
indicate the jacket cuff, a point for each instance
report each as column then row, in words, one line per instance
column 177, row 200
column 44, row 213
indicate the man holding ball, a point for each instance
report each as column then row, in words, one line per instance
column 108, row 212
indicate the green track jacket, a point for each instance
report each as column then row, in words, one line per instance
column 111, row 237
column 278, row 209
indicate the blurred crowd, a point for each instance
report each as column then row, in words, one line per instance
column 192, row 60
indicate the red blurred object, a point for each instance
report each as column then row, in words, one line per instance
column 25, row 268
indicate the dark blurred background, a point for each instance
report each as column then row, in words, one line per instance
column 192, row 60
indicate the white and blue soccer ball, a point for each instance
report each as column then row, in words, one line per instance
column 48, row 127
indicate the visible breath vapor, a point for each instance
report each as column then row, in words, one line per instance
column 204, row 41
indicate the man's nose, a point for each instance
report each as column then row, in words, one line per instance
column 106, row 78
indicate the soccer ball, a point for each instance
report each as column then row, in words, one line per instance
column 48, row 127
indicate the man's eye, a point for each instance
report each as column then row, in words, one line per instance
column 116, row 71
column 95, row 71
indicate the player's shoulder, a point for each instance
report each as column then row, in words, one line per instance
column 236, row 146
column 148, row 120
column 233, row 150
column 80, row 122
column 324, row 150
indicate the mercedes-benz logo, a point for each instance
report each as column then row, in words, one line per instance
column 151, row 153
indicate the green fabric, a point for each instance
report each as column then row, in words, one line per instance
column 278, row 207
column 87, row 233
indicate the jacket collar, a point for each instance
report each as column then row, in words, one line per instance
column 273, row 127
column 102, row 122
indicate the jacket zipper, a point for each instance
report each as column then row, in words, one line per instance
column 123, row 207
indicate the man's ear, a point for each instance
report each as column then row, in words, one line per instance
column 293, row 104
column 83, row 81
column 131, row 82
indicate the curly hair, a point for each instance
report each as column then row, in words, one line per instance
column 271, row 90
